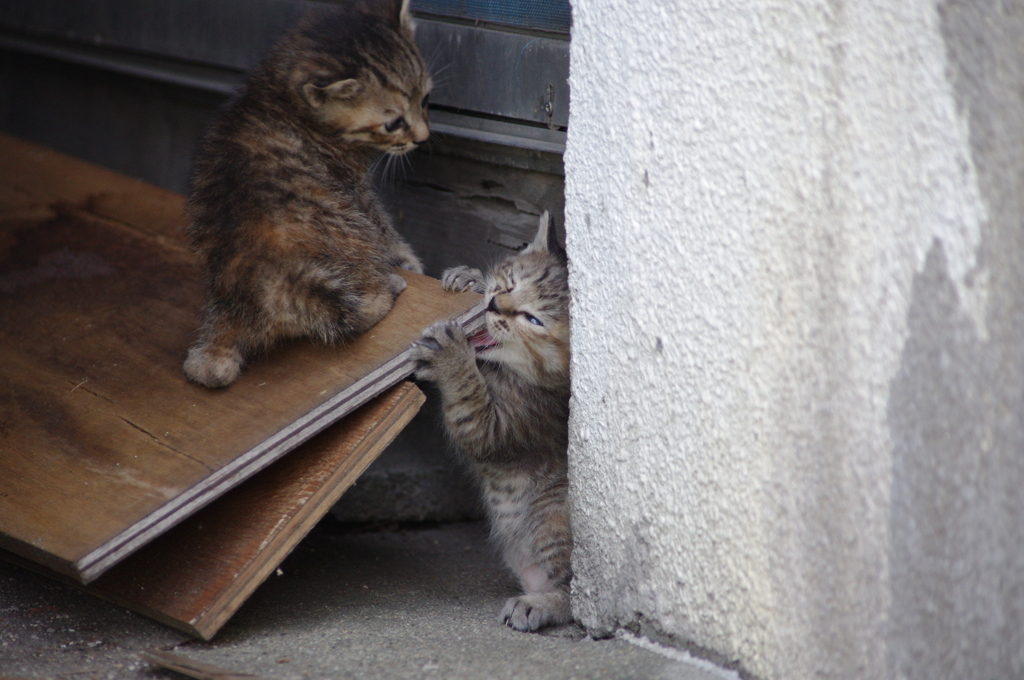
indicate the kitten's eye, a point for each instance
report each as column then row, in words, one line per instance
column 425, row 102
column 532, row 319
column 395, row 124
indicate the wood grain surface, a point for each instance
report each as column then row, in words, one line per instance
column 103, row 443
column 197, row 575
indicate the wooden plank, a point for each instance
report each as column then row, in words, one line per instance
column 191, row 667
column 103, row 443
column 198, row 574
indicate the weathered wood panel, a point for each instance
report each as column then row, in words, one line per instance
column 198, row 574
column 103, row 443
column 457, row 203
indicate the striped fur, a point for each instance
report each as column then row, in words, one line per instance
column 283, row 216
column 505, row 399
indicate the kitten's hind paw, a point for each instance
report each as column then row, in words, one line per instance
column 213, row 367
column 535, row 611
column 460, row 279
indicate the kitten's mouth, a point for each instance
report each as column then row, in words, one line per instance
column 482, row 341
column 400, row 149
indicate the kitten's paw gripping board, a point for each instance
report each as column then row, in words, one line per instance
column 442, row 349
column 535, row 611
column 461, row 279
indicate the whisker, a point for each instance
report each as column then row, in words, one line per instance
column 387, row 174
column 377, row 163
column 432, row 62
column 428, row 146
column 442, row 72
column 442, row 81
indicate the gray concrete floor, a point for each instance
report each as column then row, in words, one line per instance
column 418, row 602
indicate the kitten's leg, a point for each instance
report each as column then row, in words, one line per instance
column 215, row 360
column 534, row 611
column 463, row 278
column 333, row 307
column 406, row 258
column 402, row 254
column 445, row 357
column 541, row 556
column 375, row 305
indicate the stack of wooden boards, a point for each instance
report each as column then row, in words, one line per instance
column 117, row 473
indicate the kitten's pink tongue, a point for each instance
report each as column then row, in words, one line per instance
column 482, row 340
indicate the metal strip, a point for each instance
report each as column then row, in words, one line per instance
column 497, row 73
column 497, row 132
column 217, row 80
column 537, row 15
column 225, row 82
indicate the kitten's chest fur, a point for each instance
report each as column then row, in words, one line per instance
column 529, row 457
column 536, row 431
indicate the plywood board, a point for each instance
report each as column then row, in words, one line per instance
column 103, row 443
column 198, row 574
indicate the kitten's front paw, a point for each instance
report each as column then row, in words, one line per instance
column 535, row 611
column 461, row 279
column 442, row 348
column 213, row 367
column 407, row 259
column 397, row 284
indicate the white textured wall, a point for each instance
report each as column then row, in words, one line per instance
column 796, row 241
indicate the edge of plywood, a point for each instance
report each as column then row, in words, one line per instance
column 94, row 564
column 294, row 523
column 210, row 621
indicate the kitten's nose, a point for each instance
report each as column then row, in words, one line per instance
column 420, row 133
column 492, row 306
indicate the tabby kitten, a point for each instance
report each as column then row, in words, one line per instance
column 505, row 399
column 290, row 232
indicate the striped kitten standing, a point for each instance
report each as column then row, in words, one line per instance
column 505, row 399
column 292, row 237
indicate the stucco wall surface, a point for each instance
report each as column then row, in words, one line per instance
column 796, row 233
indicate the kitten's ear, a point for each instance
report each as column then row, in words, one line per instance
column 405, row 21
column 542, row 240
column 318, row 95
column 546, row 240
column 396, row 12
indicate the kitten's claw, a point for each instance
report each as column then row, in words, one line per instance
column 461, row 279
column 535, row 611
column 429, row 343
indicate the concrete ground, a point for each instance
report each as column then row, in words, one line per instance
column 418, row 602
